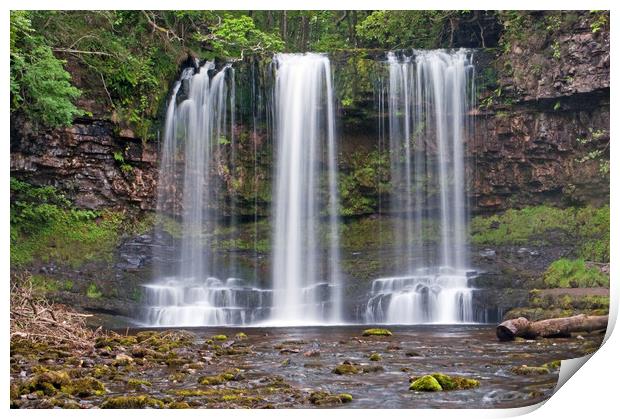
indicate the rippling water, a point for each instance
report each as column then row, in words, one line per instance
column 471, row 351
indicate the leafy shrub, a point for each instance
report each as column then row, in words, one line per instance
column 40, row 86
column 565, row 273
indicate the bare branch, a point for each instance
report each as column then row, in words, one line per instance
column 75, row 51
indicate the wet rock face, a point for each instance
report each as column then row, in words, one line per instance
column 95, row 167
column 553, row 110
column 547, row 65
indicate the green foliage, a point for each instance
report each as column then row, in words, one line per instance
column 236, row 35
column 360, row 185
column 394, row 29
column 588, row 227
column 600, row 20
column 45, row 227
column 40, row 86
column 44, row 284
column 566, row 273
column 597, row 146
column 556, row 51
column 93, row 292
column 120, row 159
column 124, row 59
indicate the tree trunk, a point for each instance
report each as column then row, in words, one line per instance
column 284, row 26
column 305, row 26
column 269, row 19
column 561, row 327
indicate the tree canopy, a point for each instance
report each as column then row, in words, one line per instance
column 125, row 60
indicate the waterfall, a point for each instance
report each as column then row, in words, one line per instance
column 199, row 127
column 306, row 281
column 428, row 97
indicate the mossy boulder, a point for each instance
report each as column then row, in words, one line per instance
column 426, row 383
column 376, row 332
column 375, row 357
column 219, row 337
column 165, row 341
column 553, row 365
column 122, row 360
column 345, row 397
column 323, row 398
column 100, row 371
column 446, row 382
column 115, row 341
column 132, row 402
column 136, row 384
column 178, row 405
column 84, row 387
column 525, row 370
column 48, row 382
column 213, row 380
column 241, row 336
column 455, row 382
column 345, row 369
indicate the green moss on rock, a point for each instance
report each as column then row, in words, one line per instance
column 426, row 383
column 178, row 405
column 135, row 383
column 525, row 370
column 213, row 380
column 455, row 382
column 376, row 332
column 132, row 402
column 48, row 382
column 553, row 365
column 323, row 398
column 84, row 387
column 446, row 382
column 375, row 357
column 345, row 397
column 344, row 369
column 219, row 337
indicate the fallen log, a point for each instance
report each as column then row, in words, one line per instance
column 550, row 328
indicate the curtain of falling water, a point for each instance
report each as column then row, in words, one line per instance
column 198, row 139
column 427, row 105
column 306, row 287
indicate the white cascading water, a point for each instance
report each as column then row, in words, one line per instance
column 306, row 282
column 428, row 97
column 196, row 122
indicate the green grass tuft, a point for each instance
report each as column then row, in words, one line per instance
column 566, row 273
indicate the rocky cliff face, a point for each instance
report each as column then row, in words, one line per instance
column 545, row 135
column 90, row 162
column 532, row 155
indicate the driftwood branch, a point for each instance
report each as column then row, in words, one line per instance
column 35, row 319
column 561, row 327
